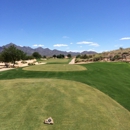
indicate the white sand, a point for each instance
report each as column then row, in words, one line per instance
column 4, row 69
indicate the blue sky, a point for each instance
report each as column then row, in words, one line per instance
column 67, row 25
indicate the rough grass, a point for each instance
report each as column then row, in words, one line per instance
column 55, row 67
column 25, row 103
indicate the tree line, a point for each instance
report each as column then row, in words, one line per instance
column 12, row 54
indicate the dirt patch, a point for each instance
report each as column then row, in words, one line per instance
column 19, row 64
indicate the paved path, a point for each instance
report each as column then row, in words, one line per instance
column 72, row 61
column 4, row 69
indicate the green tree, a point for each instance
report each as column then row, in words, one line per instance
column 78, row 56
column 44, row 56
column 54, row 56
column 1, row 58
column 90, row 56
column 12, row 54
column 69, row 56
column 28, row 58
column 36, row 55
column 84, row 56
column 60, row 56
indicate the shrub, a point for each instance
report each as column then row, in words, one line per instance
column 31, row 64
column 23, row 62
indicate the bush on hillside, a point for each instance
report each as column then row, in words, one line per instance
column 31, row 64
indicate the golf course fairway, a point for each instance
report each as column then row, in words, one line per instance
column 25, row 103
column 55, row 67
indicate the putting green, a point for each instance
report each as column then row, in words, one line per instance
column 25, row 103
column 55, row 67
column 57, row 61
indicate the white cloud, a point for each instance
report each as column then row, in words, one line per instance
column 88, row 43
column 91, row 50
column 75, row 50
column 94, row 44
column 38, row 45
column 125, row 38
column 65, row 37
column 59, row 45
column 105, row 51
column 80, row 46
column 84, row 42
column 71, row 43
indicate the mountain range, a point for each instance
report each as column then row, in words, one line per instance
column 45, row 51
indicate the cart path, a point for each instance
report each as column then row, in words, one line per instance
column 72, row 61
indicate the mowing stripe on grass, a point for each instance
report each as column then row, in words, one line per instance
column 25, row 103
column 55, row 67
column 110, row 78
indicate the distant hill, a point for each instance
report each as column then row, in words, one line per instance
column 44, row 51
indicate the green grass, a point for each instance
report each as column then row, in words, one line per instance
column 110, row 78
column 25, row 103
column 57, row 61
column 22, row 96
column 55, row 67
column 41, row 60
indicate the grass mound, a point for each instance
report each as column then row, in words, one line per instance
column 55, row 67
column 25, row 103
